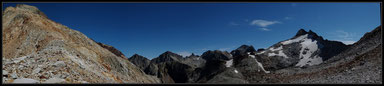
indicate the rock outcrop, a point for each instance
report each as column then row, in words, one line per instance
column 113, row 50
column 34, row 43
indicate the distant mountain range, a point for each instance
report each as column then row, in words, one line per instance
column 39, row 50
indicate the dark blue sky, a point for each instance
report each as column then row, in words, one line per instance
column 150, row 29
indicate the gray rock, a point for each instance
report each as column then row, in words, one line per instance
column 228, row 76
column 14, row 75
column 21, row 66
column 59, row 64
column 25, row 80
column 84, row 82
column 55, row 80
column 4, row 79
column 5, row 72
column 37, row 70
column 17, row 60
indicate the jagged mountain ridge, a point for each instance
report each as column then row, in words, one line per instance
column 245, row 60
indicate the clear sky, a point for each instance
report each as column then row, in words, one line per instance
column 150, row 29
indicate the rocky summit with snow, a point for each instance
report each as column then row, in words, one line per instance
column 39, row 50
column 303, row 50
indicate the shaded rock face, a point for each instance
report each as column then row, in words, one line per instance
column 152, row 69
column 215, row 69
column 140, row 61
column 367, row 42
column 301, row 32
column 178, row 72
column 216, row 56
column 31, row 41
column 243, row 49
column 228, row 76
column 169, row 67
column 194, row 61
column 247, row 63
column 167, row 56
column 113, row 50
column 260, row 49
column 304, row 49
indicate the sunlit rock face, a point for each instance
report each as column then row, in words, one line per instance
column 32, row 43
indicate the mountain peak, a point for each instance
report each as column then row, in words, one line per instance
column 301, row 32
column 136, row 55
column 167, row 56
column 313, row 35
column 311, row 32
column 23, row 8
column 216, row 55
column 170, row 53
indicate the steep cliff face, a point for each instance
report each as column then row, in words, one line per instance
column 40, row 49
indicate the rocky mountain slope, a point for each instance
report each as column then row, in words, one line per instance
column 39, row 50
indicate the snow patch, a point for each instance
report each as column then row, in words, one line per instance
column 279, row 48
column 261, row 52
column 229, row 63
column 252, row 56
column 279, row 54
column 308, row 46
column 295, row 40
column 259, row 64
column 236, row 71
